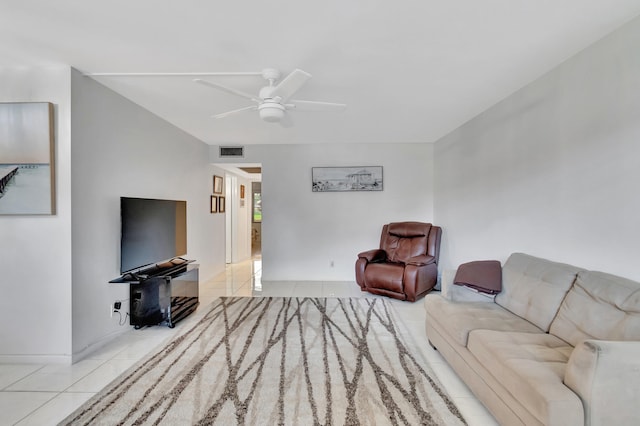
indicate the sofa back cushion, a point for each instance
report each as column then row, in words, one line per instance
column 534, row 288
column 599, row 306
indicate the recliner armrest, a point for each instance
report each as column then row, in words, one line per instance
column 375, row 255
column 606, row 376
column 421, row 260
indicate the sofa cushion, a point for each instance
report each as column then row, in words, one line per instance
column 599, row 306
column 459, row 318
column 533, row 288
column 531, row 367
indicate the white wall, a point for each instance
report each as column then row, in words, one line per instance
column 553, row 170
column 35, row 253
column 303, row 231
column 120, row 149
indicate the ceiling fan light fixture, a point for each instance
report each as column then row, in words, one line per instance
column 271, row 112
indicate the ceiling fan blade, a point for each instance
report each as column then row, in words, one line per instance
column 291, row 84
column 226, row 89
column 228, row 113
column 169, row 74
column 317, row 106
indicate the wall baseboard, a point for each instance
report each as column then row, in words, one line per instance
column 35, row 359
column 88, row 350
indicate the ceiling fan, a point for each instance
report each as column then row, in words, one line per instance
column 274, row 100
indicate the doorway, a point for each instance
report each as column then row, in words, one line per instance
column 256, row 219
column 243, row 219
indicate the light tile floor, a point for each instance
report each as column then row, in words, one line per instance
column 46, row 394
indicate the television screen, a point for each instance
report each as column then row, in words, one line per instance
column 152, row 231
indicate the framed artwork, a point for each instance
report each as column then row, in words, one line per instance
column 220, row 204
column 341, row 179
column 27, row 160
column 214, row 204
column 242, row 192
column 217, row 184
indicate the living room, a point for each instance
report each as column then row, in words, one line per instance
column 549, row 170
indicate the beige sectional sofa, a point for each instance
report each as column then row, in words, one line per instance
column 559, row 345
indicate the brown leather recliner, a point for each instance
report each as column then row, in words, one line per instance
column 405, row 266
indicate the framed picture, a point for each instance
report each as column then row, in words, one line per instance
column 220, row 204
column 214, row 204
column 341, row 179
column 217, row 184
column 242, row 191
column 27, row 166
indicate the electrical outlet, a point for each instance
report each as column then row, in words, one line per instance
column 114, row 307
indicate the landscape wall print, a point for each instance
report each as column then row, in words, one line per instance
column 338, row 179
column 27, row 184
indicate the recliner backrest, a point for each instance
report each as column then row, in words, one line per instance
column 404, row 240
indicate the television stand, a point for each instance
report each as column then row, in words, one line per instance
column 162, row 293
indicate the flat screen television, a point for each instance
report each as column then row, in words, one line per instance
column 153, row 231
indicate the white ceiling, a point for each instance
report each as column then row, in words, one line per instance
column 409, row 70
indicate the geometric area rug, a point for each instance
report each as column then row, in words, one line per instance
column 280, row 361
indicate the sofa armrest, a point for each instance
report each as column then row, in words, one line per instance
column 606, row 377
column 457, row 293
column 375, row 255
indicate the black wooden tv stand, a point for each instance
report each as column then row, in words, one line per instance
column 165, row 292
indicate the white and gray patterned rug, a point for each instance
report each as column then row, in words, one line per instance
column 267, row 361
